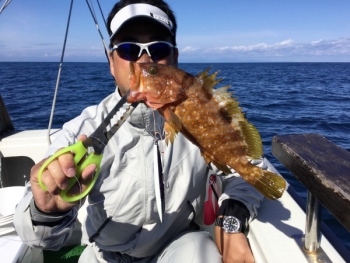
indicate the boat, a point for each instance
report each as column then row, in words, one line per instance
column 277, row 235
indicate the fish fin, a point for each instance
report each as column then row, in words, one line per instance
column 172, row 120
column 203, row 73
column 170, row 133
column 228, row 105
column 252, row 138
column 267, row 183
column 270, row 185
column 172, row 126
column 249, row 134
column 208, row 81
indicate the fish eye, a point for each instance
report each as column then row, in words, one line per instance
column 153, row 70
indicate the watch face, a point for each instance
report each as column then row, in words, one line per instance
column 231, row 224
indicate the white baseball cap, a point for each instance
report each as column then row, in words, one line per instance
column 140, row 10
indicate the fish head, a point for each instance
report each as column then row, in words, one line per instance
column 156, row 84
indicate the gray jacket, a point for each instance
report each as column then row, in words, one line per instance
column 125, row 193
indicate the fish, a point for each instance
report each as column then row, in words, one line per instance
column 210, row 118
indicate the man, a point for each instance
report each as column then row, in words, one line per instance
column 123, row 224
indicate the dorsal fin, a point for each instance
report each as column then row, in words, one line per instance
column 208, row 81
column 233, row 113
column 228, row 105
column 252, row 139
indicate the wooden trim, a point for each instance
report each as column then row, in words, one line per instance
column 321, row 166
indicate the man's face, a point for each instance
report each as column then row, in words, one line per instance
column 140, row 31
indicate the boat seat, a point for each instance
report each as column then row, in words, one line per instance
column 6, row 125
column 15, row 171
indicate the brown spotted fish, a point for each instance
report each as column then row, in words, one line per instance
column 210, row 118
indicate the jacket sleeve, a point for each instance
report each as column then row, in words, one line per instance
column 236, row 188
column 51, row 231
column 40, row 230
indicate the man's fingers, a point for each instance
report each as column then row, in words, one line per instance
column 66, row 162
column 87, row 176
column 83, row 181
column 55, row 177
column 82, row 137
column 50, row 183
column 88, row 171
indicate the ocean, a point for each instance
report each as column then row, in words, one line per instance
column 280, row 98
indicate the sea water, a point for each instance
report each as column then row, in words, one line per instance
column 280, row 98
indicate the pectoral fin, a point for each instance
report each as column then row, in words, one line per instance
column 172, row 126
column 173, row 120
column 170, row 133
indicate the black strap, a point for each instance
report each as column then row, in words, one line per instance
column 231, row 207
column 193, row 224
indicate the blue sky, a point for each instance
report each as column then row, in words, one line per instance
column 208, row 31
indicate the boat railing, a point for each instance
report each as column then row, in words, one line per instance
column 324, row 169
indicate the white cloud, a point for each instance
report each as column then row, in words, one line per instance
column 189, row 49
column 287, row 48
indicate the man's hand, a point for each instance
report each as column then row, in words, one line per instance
column 233, row 247
column 55, row 178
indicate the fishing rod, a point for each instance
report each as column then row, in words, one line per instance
column 7, row 2
column 97, row 25
column 104, row 20
column 59, row 73
column 62, row 56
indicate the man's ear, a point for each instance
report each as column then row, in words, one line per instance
column 111, row 64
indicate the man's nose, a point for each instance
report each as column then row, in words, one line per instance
column 145, row 58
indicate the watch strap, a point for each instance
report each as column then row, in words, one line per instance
column 231, row 207
column 219, row 221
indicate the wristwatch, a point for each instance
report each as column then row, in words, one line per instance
column 229, row 224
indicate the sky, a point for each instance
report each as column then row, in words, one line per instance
column 208, row 31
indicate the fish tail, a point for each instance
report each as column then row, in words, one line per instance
column 270, row 185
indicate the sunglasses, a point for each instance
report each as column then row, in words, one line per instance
column 131, row 51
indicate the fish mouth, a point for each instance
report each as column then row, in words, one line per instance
column 134, row 96
column 154, row 105
column 135, row 92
